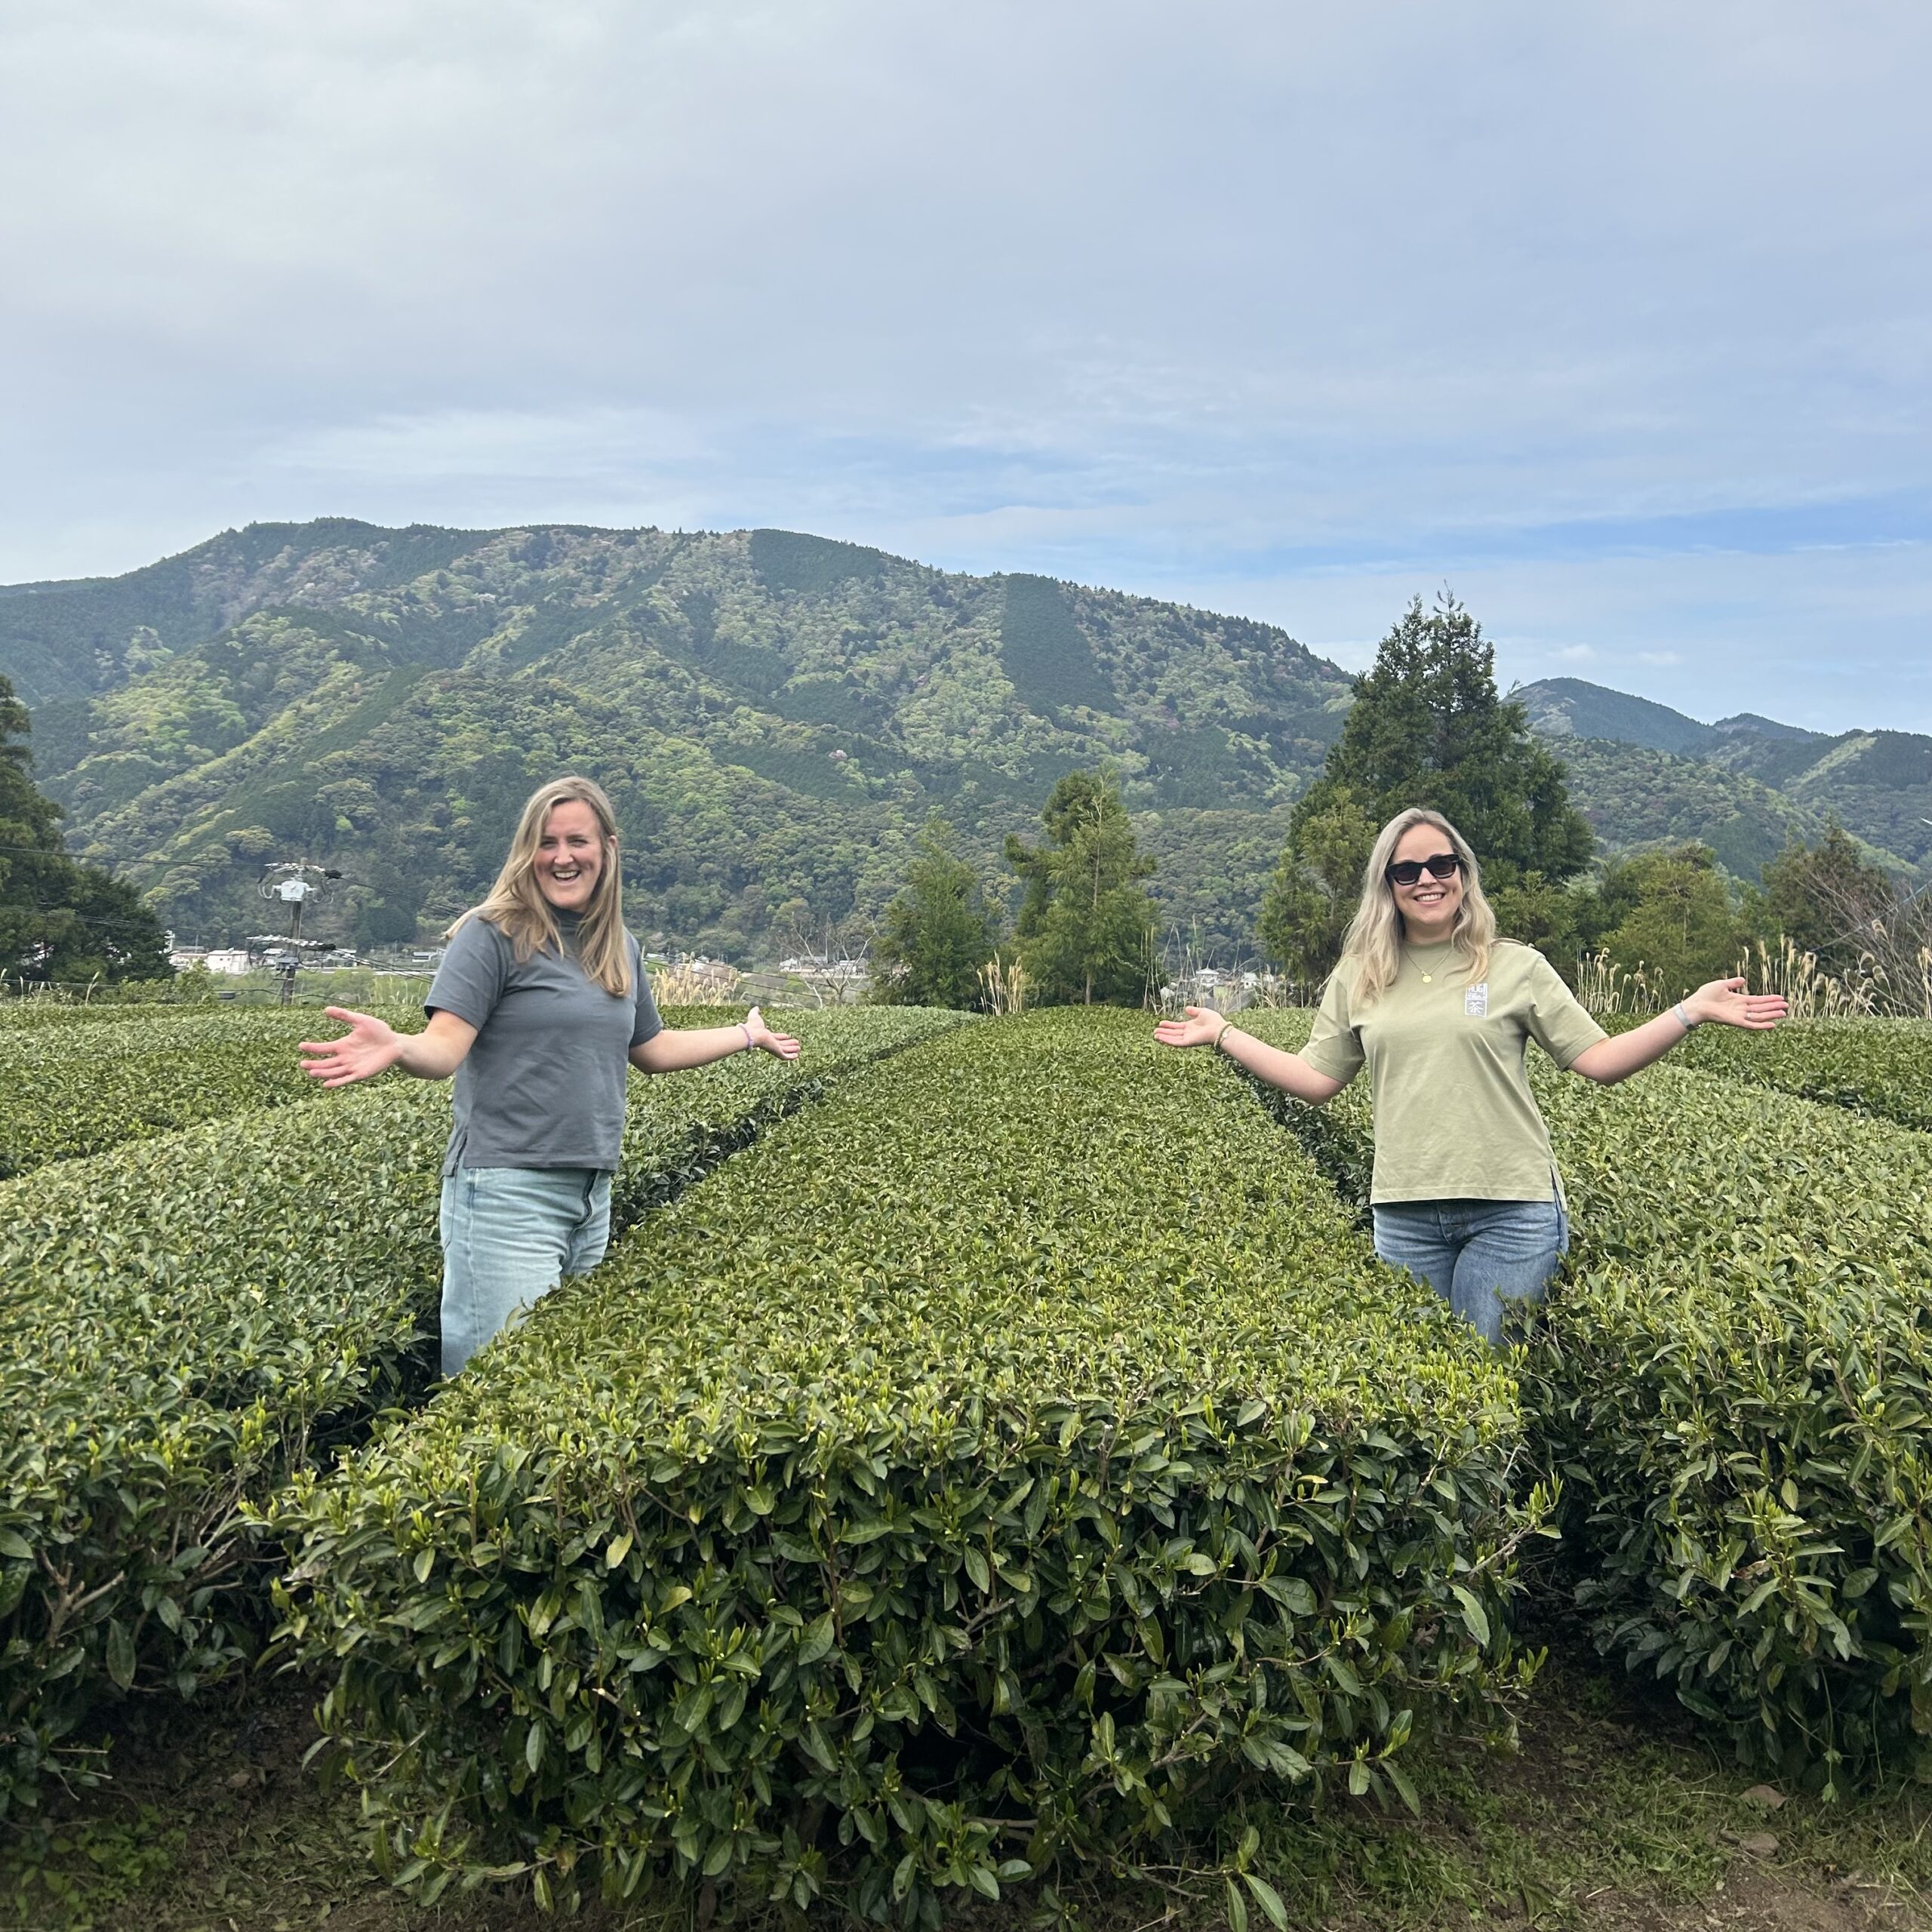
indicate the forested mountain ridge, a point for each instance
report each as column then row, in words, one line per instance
column 775, row 715
column 1643, row 772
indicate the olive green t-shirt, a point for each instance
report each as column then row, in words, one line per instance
column 1454, row 1120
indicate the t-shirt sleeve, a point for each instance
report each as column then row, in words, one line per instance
column 475, row 969
column 1560, row 1022
column 646, row 1025
column 1334, row 1047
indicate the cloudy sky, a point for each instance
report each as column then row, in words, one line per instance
column 1614, row 317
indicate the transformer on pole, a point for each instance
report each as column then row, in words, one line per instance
column 292, row 883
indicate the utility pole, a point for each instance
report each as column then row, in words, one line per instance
column 292, row 883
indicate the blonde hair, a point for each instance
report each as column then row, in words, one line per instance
column 516, row 904
column 1372, row 946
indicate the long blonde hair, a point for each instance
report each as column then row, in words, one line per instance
column 1372, row 946
column 516, row 903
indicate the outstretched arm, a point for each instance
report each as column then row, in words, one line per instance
column 373, row 1046
column 1724, row 1001
column 1203, row 1026
column 669, row 1051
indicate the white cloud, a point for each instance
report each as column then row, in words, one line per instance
column 1317, row 301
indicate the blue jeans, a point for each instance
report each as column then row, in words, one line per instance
column 1476, row 1255
column 510, row 1235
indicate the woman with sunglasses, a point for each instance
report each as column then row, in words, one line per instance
column 1465, row 1194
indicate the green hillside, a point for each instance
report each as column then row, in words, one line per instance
column 1572, row 707
column 1644, row 774
column 1635, row 797
column 775, row 714
column 1878, row 784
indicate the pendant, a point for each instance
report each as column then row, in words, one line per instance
column 1429, row 979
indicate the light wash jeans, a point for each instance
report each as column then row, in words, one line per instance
column 1476, row 1255
column 510, row 1235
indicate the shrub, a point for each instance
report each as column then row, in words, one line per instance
column 1733, row 1380
column 1734, row 1384
column 29, row 1012
column 1881, row 1067
column 70, row 1091
column 1013, row 1454
column 185, row 1321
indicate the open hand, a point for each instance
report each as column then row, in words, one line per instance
column 371, row 1046
column 1727, row 1002
column 783, row 1044
column 1199, row 1029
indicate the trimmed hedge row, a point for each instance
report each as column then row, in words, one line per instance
column 1734, row 1381
column 67, row 1091
column 32, row 1014
column 185, row 1321
column 1881, row 1067
column 1013, row 1454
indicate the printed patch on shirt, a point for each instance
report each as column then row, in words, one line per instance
column 1476, row 1000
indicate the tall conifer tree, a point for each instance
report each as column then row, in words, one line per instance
column 1086, row 924
column 1428, row 727
column 939, row 932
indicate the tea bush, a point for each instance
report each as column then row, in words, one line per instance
column 29, row 1014
column 996, row 1464
column 1733, row 1379
column 69, row 1090
column 1882, row 1067
column 186, row 1319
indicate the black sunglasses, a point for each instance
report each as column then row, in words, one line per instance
column 1406, row 872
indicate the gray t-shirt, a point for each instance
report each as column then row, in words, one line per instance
column 543, row 1085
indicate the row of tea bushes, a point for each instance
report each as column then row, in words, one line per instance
column 1734, row 1381
column 1882, row 1067
column 996, row 1464
column 68, row 1091
column 185, row 1320
column 32, row 1015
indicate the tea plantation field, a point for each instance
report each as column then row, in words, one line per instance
column 991, row 1477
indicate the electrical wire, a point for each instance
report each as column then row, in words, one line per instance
column 152, row 859
column 84, row 918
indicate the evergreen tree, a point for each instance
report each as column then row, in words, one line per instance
column 59, row 920
column 939, row 931
column 1669, row 914
column 1428, row 728
column 1825, row 898
column 1314, row 890
column 1086, row 925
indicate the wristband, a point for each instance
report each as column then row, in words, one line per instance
column 744, row 1027
column 1684, row 1019
column 1227, row 1027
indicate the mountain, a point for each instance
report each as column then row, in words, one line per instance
column 1568, row 707
column 775, row 714
column 1642, row 772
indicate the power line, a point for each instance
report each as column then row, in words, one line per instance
column 104, row 864
column 85, row 919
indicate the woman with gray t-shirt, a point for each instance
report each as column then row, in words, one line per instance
column 540, row 1005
